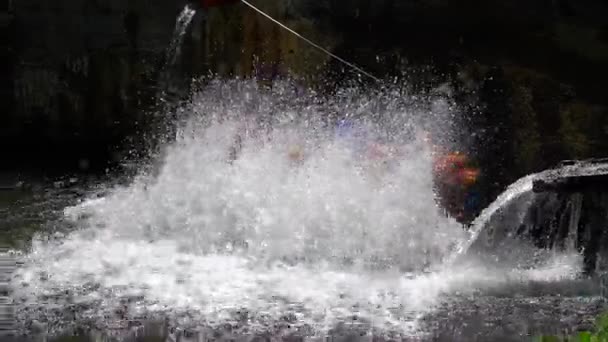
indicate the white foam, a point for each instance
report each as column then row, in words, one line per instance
column 325, row 238
column 181, row 25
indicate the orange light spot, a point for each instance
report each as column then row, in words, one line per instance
column 469, row 176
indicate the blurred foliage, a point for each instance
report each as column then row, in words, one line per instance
column 585, row 41
column 574, row 130
column 600, row 334
column 526, row 136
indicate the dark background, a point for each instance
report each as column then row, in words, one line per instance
column 79, row 77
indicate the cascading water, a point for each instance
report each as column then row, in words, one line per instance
column 546, row 222
column 480, row 225
column 183, row 21
column 258, row 206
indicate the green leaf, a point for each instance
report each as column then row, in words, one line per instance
column 602, row 323
column 584, row 336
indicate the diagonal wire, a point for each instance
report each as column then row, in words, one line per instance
column 353, row 66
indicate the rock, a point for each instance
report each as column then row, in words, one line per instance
column 38, row 327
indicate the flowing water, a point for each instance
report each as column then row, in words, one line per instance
column 511, row 216
column 183, row 21
column 261, row 218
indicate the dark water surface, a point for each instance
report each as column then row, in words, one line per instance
column 509, row 313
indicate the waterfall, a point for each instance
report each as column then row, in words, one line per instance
column 183, row 21
column 566, row 215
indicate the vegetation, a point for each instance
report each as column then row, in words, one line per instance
column 599, row 335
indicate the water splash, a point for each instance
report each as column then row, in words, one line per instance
column 521, row 193
column 258, row 206
column 183, row 21
column 513, row 193
column 294, row 192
